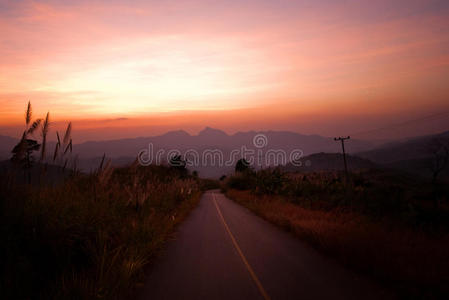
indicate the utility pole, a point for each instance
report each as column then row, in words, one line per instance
column 342, row 139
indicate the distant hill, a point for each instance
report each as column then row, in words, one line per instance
column 411, row 149
column 329, row 162
column 213, row 138
column 412, row 155
column 209, row 139
column 124, row 151
column 6, row 145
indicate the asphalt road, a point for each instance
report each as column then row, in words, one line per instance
column 223, row 251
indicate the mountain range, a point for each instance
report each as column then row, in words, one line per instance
column 123, row 151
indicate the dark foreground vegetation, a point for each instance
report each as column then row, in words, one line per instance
column 389, row 225
column 65, row 234
column 90, row 236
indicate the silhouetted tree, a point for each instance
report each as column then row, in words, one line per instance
column 242, row 165
column 179, row 164
column 25, row 147
column 439, row 150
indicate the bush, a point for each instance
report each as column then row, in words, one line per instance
column 241, row 181
column 269, row 181
column 379, row 194
column 209, row 184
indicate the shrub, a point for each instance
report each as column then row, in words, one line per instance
column 241, row 181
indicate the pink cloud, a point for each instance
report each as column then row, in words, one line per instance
column 222, row 55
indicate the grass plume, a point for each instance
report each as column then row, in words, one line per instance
column 44, row 132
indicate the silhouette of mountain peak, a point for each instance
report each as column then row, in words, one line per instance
column 208, row 131
column 176, row 133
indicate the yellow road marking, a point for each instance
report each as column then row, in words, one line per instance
column 237, row 247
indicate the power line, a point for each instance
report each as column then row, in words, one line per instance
column 426, row 118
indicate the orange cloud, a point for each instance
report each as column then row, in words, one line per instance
column 106, row 60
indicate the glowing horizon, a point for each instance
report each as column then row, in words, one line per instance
column 106, row 60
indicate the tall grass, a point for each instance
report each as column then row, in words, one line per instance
column 90, row 236
column 382, row 224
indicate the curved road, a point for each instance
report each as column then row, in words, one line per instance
column 223, row 251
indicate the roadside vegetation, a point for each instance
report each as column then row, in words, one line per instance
column 83, row 236
column 389, row 225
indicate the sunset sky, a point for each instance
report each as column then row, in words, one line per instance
column 133, row 68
